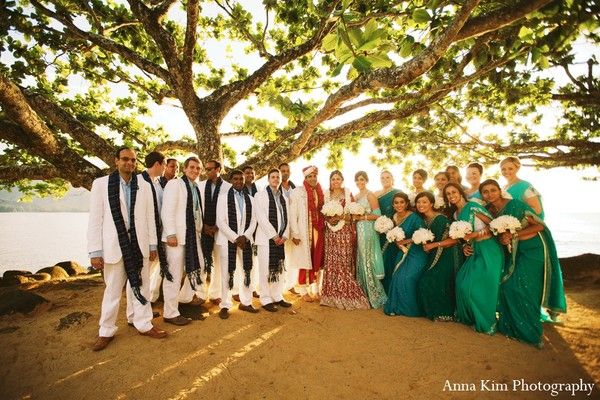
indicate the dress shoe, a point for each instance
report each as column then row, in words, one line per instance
column 196, row 301
column 249, row 308
column 155, row 314
column 284, row 304
column 293, row 291
column 271, row 307
column 102, row 342
column 216, row 301
column 224, row 313
column 255, row 295
column 236, row 297
column 155, row 333
column 178, row 320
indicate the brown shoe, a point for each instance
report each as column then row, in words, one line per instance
column 216, row 301
column 284, row 304
column 196, row 301
column 155, row 333
column 224, row 313
column 255, row 295
column 102, row 342
column 271, row 307
column 249, row 308
column 178, row 320
column 236, row 297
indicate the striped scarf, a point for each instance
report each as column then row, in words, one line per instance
column 210, row 218
column 130, row 249
column 232, row 247
column 162, row 255
column 276, row 253
column 252, row 191
column 192, row 261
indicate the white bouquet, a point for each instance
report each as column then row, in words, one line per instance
column 332, row 208
column 383, row 224
column 395, row 234
column 460, row 229
column 355, row 208
column 505, row 223
column 439, row 202
column 422, row 236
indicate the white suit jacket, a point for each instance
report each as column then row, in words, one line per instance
column 173, row 210
column 102, row 232
column 265, row 230
column 299, row 255
column 225, row 233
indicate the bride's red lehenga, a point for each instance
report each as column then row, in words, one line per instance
column 340, row 288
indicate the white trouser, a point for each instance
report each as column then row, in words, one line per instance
column 291, row 278
column 173, row 292
column 214, row 288
column 244, row 292
column 270, row 292
column 115, row 278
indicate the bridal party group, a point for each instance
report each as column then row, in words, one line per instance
column 480, row 254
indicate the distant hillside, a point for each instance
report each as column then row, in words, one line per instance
column 76, row 200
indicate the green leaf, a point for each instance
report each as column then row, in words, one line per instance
column 379, row 61
column 525, row 33
column 420, row 15
column 330, row 42
column 370, row 28
column 543, row 62
column 361, row 64
column 535, row 54
column 356, row 37
column 337, row 69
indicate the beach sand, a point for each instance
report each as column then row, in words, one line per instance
column 307, row 352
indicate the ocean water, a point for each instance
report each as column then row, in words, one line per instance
column 31, row 241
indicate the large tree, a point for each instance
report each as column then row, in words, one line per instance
column 77, row 78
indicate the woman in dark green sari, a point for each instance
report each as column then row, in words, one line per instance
column 436, row 294
column 478, row 279
column 532, row 276
column 409, row 263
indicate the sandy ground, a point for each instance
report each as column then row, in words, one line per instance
column 310, row 352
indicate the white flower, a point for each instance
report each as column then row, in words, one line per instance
column 355, row 208
column 383, row 224
column 332, row 208
column 422, row 236
column 395, row 234
column 439, row 202
column 459, row 229
column 505, row 223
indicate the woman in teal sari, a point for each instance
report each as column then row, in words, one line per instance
column 520, row 189
column 409, row 262
column 436, row 292
column 474, row 172
column 384, row 198
column 369, row 262
column 532, row 275
column 478, row 279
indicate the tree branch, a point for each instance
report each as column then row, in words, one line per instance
column 14, row 173
column 193, row 10
column 174, row 145
column 106, row 44
column 388, row 77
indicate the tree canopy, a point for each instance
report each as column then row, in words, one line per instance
column 78, row 78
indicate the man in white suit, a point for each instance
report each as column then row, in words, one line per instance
column 122, row 242
column 182, row 223
column 236, row 220
column 212, row 189
column 271, row 234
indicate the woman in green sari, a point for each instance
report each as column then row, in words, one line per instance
column 478, row 279
column 532, row 276
column 369, row 263
column 436, row 292
column 409, row 263
column 518, row 188
column 384, row 198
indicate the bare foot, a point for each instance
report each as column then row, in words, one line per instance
column 307, row 298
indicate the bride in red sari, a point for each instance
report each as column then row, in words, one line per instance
column 340, row 288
